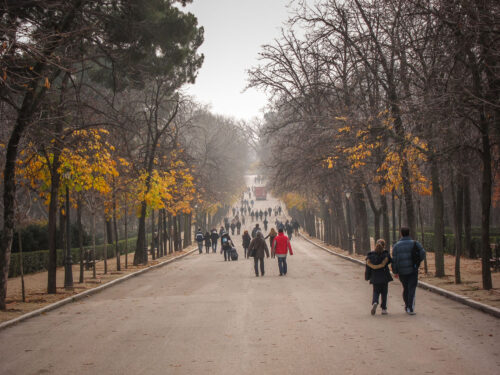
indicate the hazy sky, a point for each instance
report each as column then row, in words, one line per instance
column 234, row 32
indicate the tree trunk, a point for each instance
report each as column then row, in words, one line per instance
column 393, row 204
column 52, row 226
column 362, row 235
column 153, row 254
column 486, row 205
column 21, row 264
column 385, row 220
column 94, row 273
column 457, row 203
column 140, row 249
column 376, row 214
column 426, row 268
column 468, row 248
column 438, row 208
column 126, row 231
column 115, row 230
column 80, row 235
column 105, row 250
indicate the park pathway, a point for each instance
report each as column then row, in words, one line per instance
column 202, row 315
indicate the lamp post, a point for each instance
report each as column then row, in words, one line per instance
column 349, row 228
column 68, row 262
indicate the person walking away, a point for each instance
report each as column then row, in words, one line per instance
column 269, row 211
column 199, row 239
column 221, row 231
column 295, row 225
column 255, row 230
column 281, row 247
column 252, row 215
column 208, row 242
column 380, row 276
column 238, row 227
column 289, row 229
column 265, row 224
column 272, row 235
column 257, row 248
column 214, row 237
column 246, row 242
column 243, row 220
column 226, row 246
column 233, row 225
column 406, row 257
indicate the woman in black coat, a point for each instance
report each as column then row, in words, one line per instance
column 246, row 242
column 377, row 261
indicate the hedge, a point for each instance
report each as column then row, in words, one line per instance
column 36, row 261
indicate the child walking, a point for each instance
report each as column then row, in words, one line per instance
column 379, row 276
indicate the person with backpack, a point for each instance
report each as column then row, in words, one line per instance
column 199, row 239
column 208, row 242
column 406, row 257
column 246, row 242
column 255, row 230
column 377, row 263
column 214, row 237
column 281, row 246
column 257, row 248
column 226, row 245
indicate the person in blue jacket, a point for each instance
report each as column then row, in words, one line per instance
column 405, row 266
column 380, row 276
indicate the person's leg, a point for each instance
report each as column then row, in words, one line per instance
column 376, row 293
column 225, row 255
column 262, row 266
column 255, row 266
column 412, row 287
column 200, row 247
column 404, row 282
column 285, row 267
column 280, row 265
column 383, row 290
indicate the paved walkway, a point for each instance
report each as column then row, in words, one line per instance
column 202, row 315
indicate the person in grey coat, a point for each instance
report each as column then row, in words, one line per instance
column 256, row 250
column 403, row 267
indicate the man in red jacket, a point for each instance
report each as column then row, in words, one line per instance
column 281, row 245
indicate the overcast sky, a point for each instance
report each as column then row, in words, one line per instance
column 234, row 32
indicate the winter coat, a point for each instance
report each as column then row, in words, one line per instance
column 199, row 237
column 246, row 240
column 214, row 236
column 207, row 239
column 381, row 275
column 402, row 261
column 281, row 245
column 257, row 248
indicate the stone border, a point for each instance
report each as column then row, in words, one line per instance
column 431, row 288
column 89, row 292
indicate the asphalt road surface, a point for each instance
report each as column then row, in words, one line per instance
column 202, row 315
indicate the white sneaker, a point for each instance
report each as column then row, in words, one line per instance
column 410, row 311
column 374, row 308
column 384, row 312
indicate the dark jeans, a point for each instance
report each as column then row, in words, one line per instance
column 214, row 246
column 207, row 247
column 282, row 265
column 380, row 289
column 200, row 247
column 409, row 287
column 255, row 265
column 227, row 254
